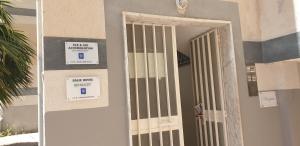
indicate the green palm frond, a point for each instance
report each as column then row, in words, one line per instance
column 5, row 17
column 15, row 58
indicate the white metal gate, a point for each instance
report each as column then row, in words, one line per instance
column 154, row 100
column 208, row 90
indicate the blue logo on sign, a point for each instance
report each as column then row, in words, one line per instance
column 81, row 55
column 83, row 90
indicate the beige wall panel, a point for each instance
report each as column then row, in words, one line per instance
column 277, row 18
column 250, row 19
column 55, row 90
column 21, row 20
column 74, row 18
column 26, row 100
column 297, row 13
column 278, row 76
column 27, row 4
column 21, row 118
column 30, row 31
column 250, row 22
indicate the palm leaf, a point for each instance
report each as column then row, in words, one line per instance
column 5, row 17
column 15, row 58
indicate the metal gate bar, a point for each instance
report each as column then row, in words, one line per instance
column 147, row 85
column 167, row 80
column 157, row 84
column 221, row 85
column 150, row 65
column 205, row 89
column 136, row 84
column 196, row 91
column 201, row 88
column 177, row 88
column 213, row 90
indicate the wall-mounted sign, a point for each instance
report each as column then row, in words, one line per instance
column 268, row 99
column 81, row 88
column 81, row 53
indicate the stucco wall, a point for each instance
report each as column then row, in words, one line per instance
column 22, row 114
column 263, row 20
column 250, row 19
column 107, row 123
column 280, row 19
column 21, row 118
column 289, row 112
column 277, row 18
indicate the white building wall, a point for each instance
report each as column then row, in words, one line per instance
column 277, row 18
column 250, row 19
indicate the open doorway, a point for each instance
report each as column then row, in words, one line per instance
column 162, row 97
column 201, row 87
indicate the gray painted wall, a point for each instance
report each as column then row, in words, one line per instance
column 261, row 127
column 281, row 48
column 277, row 49
column 253, row 52
column 109, row 126
column 289, row 101
column 187, row 101
column 24, row 118
column 283, row 118
column 55, row 53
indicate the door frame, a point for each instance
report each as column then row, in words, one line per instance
column 170, row 20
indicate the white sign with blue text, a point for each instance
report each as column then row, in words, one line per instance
column 81, row 53
column 83, row 88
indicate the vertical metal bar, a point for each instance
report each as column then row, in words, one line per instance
column 201, row 132
column 147, row 86
column 213, row 89
column 201, row 88
column 136, row 85
column 199, row 101
column 127, row 78
column 167, row 80
column 179, row 111
column 207, row 91
column 40, row 71
column 220, row 73
column 196, row 87
column 157, row 85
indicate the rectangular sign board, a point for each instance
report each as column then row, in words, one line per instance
column 268, row 99
column 82, row 88
column 81, row 53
